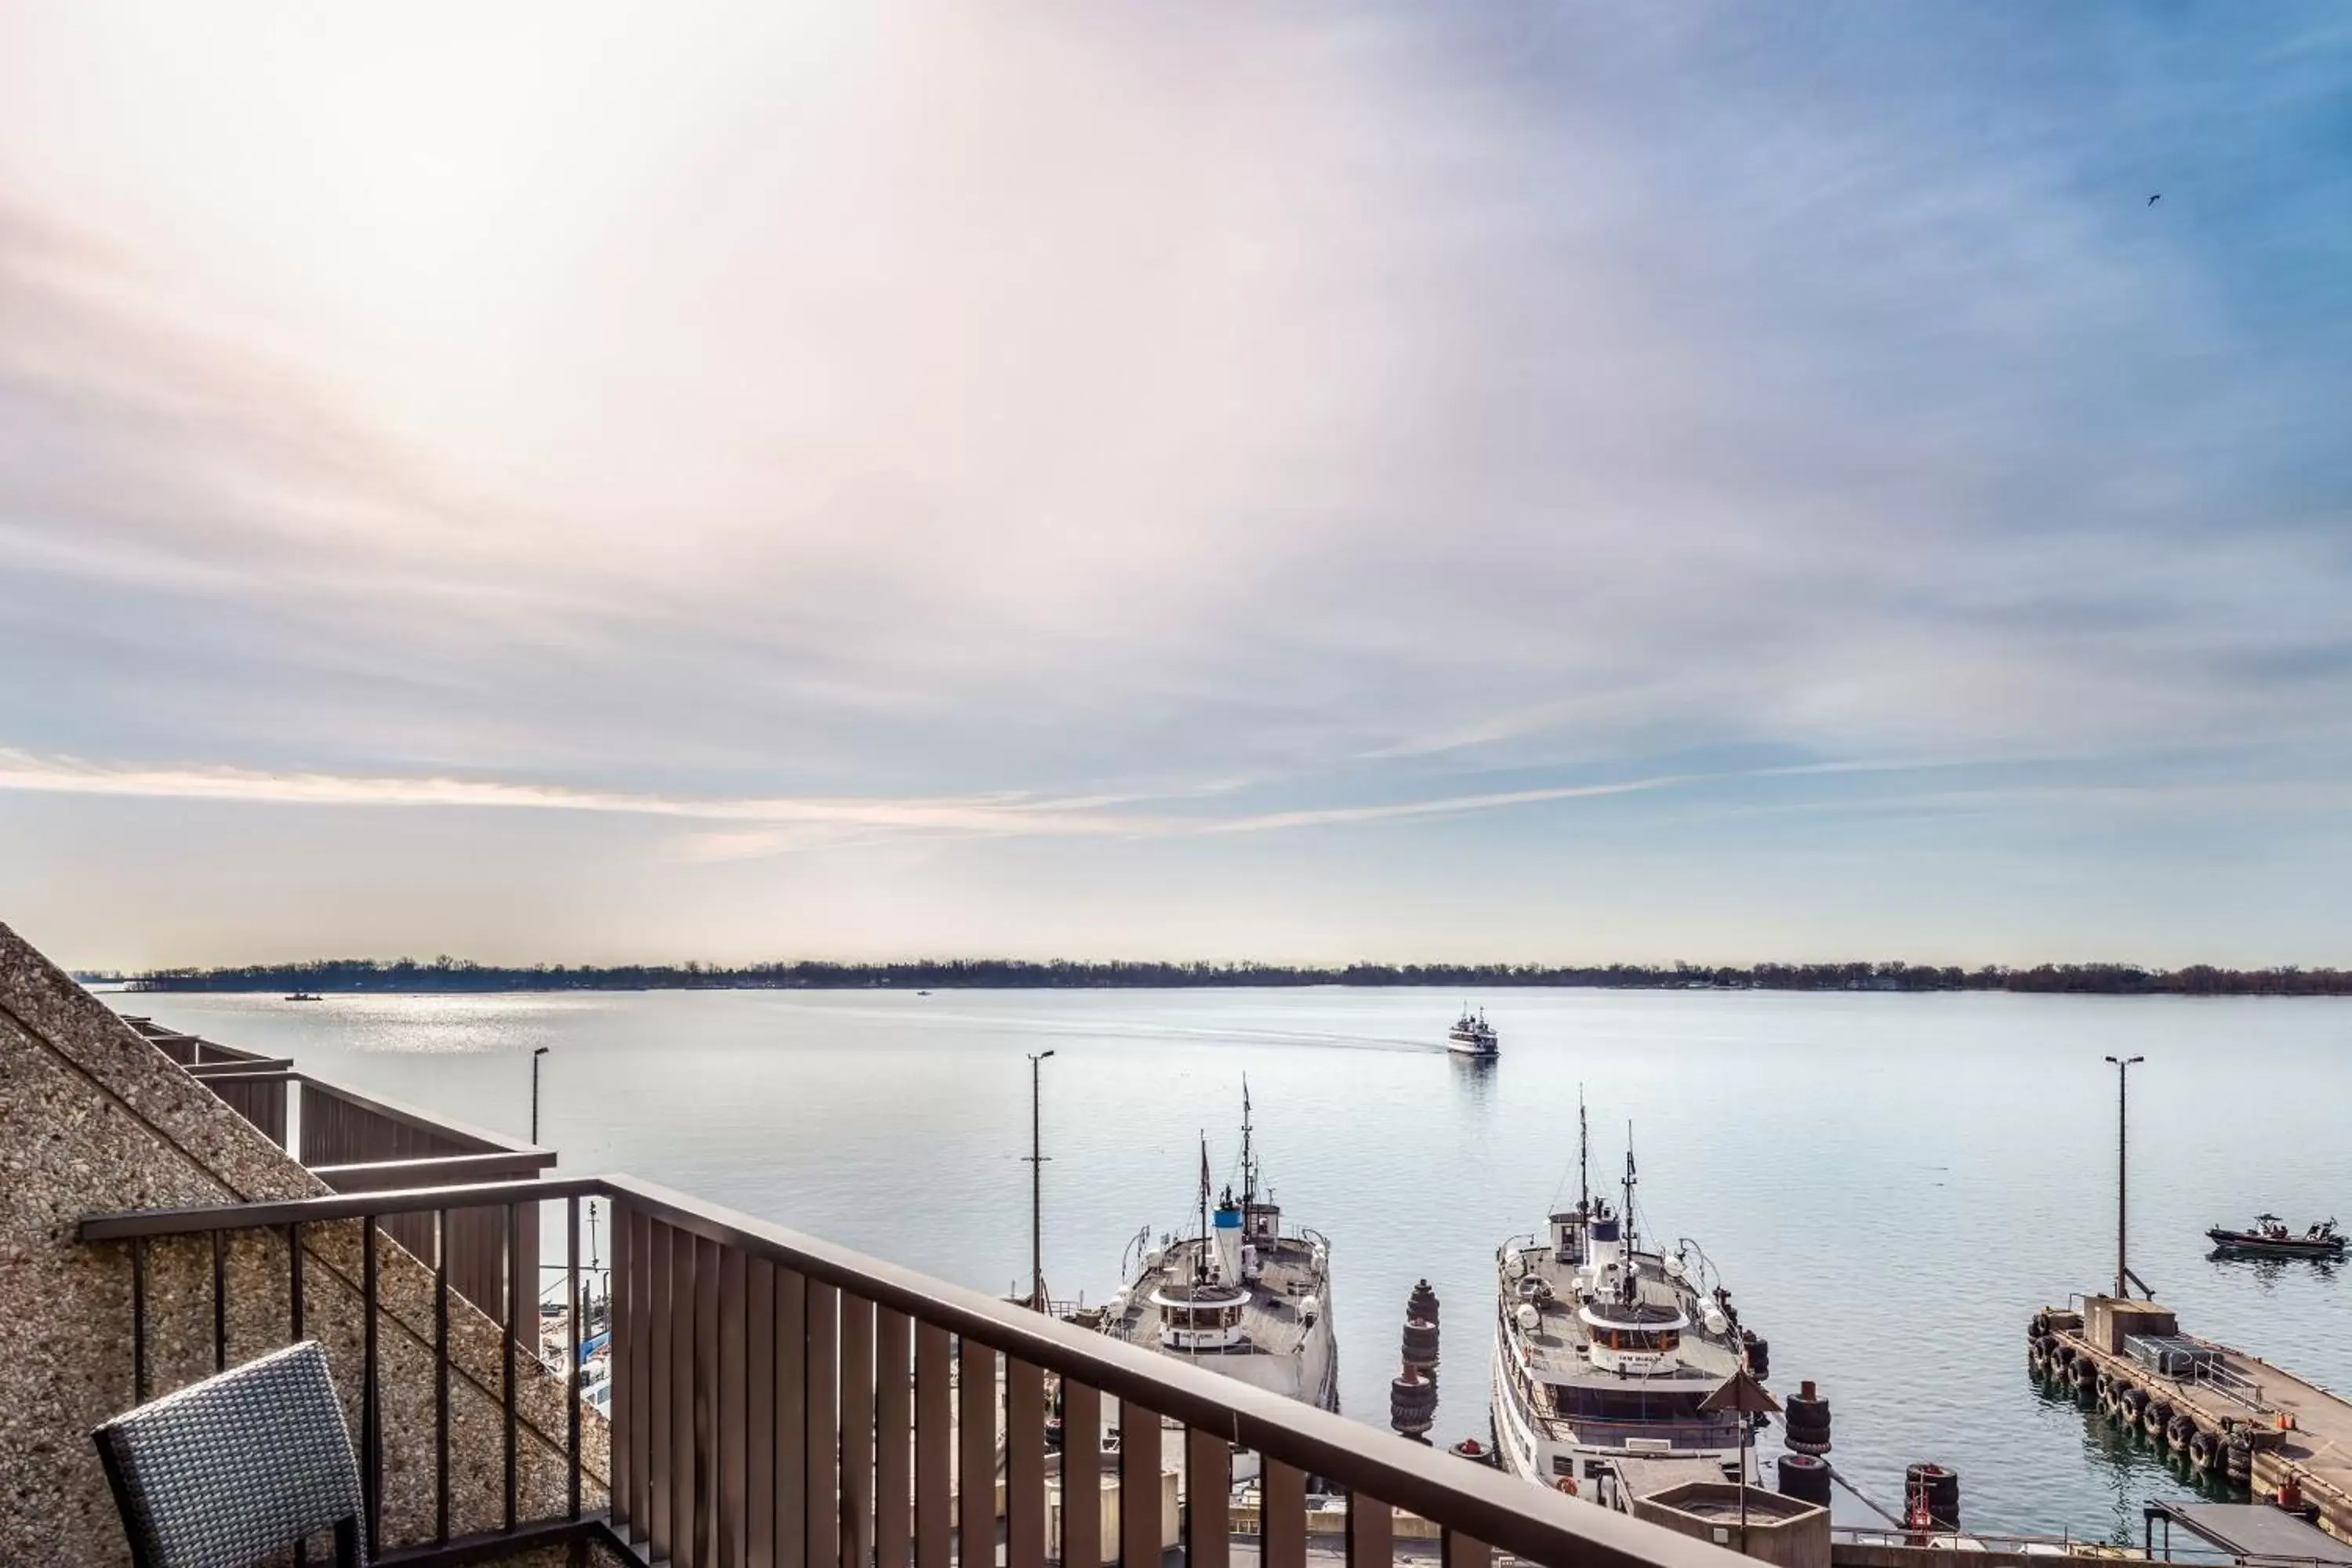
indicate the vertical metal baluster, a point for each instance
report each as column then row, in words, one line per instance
column 976, row 1399
column 759, row 1412
column 706, row 1402
column 857, row 1431
column 441, row 1375
column 1208, row 1499
column 294, row 1324
column 823, row 1445
column 632, row 1377
column 1138, row 1485
column 1024, row 1465
column 682, row 1455
column 1282, row 1514
column 579, row 1337
column 371, row 1399
column 1459, row 1551
column 732, row 1536
column 513, row 1335
column 791, row 1418
column 934, row 1446
column 137, row 1320
column 625, row 1308
column 894, row 1429
column 1082, row 1544
column 660, row 1527
column 1370, row 1524
column 220, row 1300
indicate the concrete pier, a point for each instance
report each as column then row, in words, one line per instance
column 2296, row 1437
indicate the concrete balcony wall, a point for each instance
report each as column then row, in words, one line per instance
column 95, row 1117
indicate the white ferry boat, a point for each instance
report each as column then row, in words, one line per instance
column 1606, row 1351
column 1240, row 1297
column 1473, row 1035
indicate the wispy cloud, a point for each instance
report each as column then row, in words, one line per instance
column 974, row 429
column 19, row 770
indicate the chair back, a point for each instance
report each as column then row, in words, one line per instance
column 227, row 1471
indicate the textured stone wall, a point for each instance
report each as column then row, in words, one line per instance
column 94, row 1118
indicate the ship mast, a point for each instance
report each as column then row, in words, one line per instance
column 1249, row 1171
column 1200, row 1256
column 1583, row 1159
column 1625, row 1274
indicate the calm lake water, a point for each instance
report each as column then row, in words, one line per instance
column 1890, row 1185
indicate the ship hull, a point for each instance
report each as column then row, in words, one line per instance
column 2274, row 1245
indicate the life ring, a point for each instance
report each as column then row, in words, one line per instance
column 1566, row 1485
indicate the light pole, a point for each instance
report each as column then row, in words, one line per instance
column 534, row 1093
column 2123, row 1066
column 1037, row 1189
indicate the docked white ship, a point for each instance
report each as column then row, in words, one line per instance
column 1240, row 1297
column 1473, row 1035
column 1607, row 1351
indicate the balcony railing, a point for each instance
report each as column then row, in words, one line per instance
column 780, row 1402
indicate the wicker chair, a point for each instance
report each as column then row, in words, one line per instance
column 227, row 1471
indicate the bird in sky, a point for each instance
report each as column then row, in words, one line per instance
column 2156, row 198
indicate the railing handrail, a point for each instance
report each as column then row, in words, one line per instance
column 427, row 1121
column 393, row 1175
column 230, row 1068
column 123, row 1225
column 1504, row 1512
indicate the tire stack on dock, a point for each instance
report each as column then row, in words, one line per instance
column 1931, row 1496
column 1412, row 1396
column 1805, row 1433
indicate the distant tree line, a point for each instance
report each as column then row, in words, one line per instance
column 445, row 974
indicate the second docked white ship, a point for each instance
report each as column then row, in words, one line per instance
column 1606, row 1351
column 1241, row 1296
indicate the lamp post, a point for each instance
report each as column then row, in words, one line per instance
column 534, row 1092
column 1036, row 1188
column 2123, row 1066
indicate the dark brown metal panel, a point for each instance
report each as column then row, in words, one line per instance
column 733, row 1532
column 659, row 1399
column 1082, row 1543
column 894, row 1437
column 976, row 1414
column 1282, row 1515
column 934, row 1446
column 1024, row 1465
column 522, row 1303
column 822, row 1443
column 1138, row 1485
column 576, row 1322
column 1461, row 1551
column 260, row 1098
column 1208, row 1499
column 627, row 1307
column 856, row 1430
column 1372, row 1525
column 683, row 1476
column 706, row 1402
column 760, row 1413
column 791, row 1418
column 440, row 1377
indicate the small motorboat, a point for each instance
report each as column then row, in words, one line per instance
column 2271, row 1238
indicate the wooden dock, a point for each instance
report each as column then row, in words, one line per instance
column 2233, row 1414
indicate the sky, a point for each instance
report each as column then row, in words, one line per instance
column 1534, row 482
